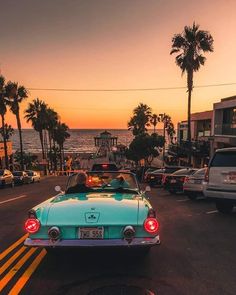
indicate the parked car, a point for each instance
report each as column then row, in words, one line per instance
column 174, row 182
column 221, row 179
column 148, row 170
column 155, row 177
column 20, row 177
column 104, row 167
column 193, row 185
column 33, row 175
column 6, row 178
column 103, row 215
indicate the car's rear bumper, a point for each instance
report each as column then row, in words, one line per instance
column 136, row 242
column 220, row 194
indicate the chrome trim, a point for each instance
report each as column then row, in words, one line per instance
column 140, row 242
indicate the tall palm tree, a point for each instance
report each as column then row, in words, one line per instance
column 189, row 47
column 154, row 120
column 16, row 94
column 60, row 135
column 3, row 110
column 140, row 120
column 36, row 113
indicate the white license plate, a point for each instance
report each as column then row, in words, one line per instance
column 173, row 181
column 90, row 233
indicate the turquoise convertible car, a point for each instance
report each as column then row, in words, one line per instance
column 105, row 215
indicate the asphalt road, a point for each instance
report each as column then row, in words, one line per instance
column 197, row 254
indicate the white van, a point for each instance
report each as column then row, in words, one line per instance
column 221, row 179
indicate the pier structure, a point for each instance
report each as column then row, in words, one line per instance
column 105, row 142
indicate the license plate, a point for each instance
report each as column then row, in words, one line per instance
column 173, row 181
column 197, row 181
column 152, row 177
column 91, row 233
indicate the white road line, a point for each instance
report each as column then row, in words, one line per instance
column 13, row 199
column 183, row 200
column 212, row 212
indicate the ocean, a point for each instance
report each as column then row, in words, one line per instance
column 80, row 141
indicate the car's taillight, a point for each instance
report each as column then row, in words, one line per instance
column 151, row 225
column 186, row 179
column 32, row 225
column 163, row 179
column 182, row 179
column 206, row 178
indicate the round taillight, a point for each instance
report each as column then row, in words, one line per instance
column 32, row 225
column 151, row 225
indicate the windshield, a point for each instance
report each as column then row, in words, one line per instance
column 183, row 172
column 224, row 159
column 106, row 181
column 30, row 173
column 200, row 172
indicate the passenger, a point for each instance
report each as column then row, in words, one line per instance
column 119, row 182
column 81, row 186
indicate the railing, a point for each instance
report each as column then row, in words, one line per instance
column 225, row 129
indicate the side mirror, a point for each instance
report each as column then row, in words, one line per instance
column 58, row 188
column 147, row 189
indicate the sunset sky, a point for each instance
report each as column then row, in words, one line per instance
column 110, row 44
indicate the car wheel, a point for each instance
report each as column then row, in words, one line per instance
column 33, row 181
column 3, row 184
column 224, row 206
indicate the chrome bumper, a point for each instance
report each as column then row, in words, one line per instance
column 136, row 242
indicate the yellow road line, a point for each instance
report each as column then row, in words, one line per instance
column 4, row 281
column 27, row 274
column 12, row 259
column 13, row 246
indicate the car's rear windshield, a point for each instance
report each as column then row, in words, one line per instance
column 183, row 172
column 224, row 159
column 17, row 173
column 1, row 172
column 104, row 167
column 30, row 173
column 200, row 172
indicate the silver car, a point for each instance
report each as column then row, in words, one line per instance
column 193, row 185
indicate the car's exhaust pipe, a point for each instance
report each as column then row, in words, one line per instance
column 129, row 233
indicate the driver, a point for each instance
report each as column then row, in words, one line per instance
column 81, row 186
column 119, row 182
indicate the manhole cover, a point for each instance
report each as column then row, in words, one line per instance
column 121, row 290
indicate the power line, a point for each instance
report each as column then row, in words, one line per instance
column 128, row 89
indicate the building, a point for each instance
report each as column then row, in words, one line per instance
column 200, row 127
column 104, row 142
column 224, row 123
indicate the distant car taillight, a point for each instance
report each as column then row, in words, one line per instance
column 206, row 178
column 32, row 225
column 151, row 225
column 186, row 179
column 163, row 179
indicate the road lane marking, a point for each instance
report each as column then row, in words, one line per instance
column 27, row 274
column 212, row 212
column 4, row 281
column 183, row 200
column 12, row 259
column 13, row 199
column 13, row 246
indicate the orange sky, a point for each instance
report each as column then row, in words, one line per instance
column 114, row 44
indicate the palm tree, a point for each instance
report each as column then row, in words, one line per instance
column 60, row 135
column 154, row 120
column 36, row 113
column 8, row 131
column 3, row 110
column 166, row 120
column 190, row 46
column 16, row 94
column 140, row 120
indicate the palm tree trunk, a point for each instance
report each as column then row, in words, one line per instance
column 41, row 141
column 4, row 142
column 164, row 135
column 189, row 137
column 21, row 141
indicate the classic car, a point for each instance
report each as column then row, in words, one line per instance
column 105, row 216
column 33, row 176
column 20, row 177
